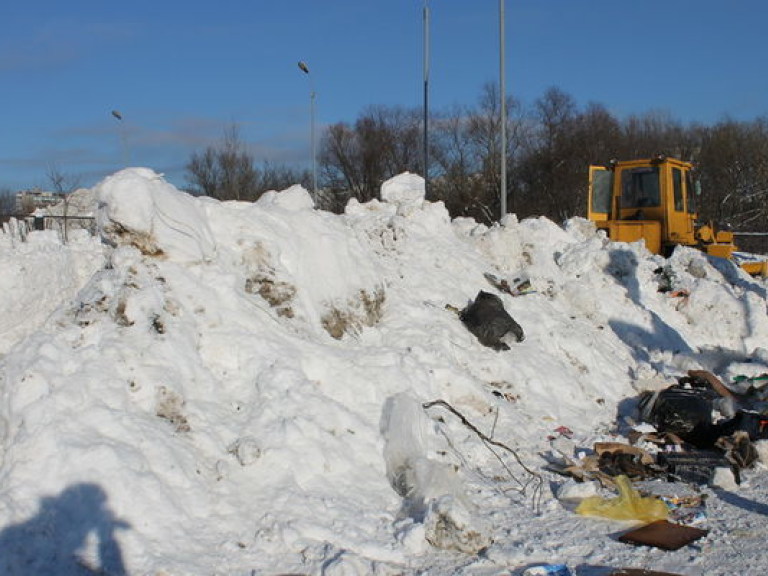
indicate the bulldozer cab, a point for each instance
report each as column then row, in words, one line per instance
column 651, row 199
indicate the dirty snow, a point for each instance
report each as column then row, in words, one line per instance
column 233, row 388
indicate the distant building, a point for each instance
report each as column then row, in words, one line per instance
column 28, row 201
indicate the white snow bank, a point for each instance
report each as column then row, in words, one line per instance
column 138, row 207
column 406, row 191
column 38, row 275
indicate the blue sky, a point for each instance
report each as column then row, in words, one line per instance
column 180, row 72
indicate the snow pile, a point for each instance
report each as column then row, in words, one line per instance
column 138, row 208
column 264, row 388
column 38, row 275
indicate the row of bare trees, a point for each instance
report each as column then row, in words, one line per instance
column 227, row 171
column 550, row 145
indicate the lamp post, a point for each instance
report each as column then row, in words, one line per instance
column 304, row 68
column 503, row 94
column 426, row 98
column 123, row 145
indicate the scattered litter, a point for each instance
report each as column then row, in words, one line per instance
column 761, row 379
column 615, row 459
column 679, row 294
column 548, row 570
column 563, row 431
column 682, row 297
column 686, row 503
column 608, row 460
column 518, row 287
column 663, row 534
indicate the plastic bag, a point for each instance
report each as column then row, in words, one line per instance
column 487, row 319
column 629, row 505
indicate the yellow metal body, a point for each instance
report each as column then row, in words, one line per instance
column 654, row 199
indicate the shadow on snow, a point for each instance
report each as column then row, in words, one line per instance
column 72, row 534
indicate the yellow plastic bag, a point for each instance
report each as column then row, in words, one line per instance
column 629, row 505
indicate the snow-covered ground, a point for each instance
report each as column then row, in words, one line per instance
column 236, row 389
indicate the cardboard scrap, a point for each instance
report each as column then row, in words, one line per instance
column 713, row 381
column 663, row 534
column 620, row 448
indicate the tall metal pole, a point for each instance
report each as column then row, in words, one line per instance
column 312, row 95
column 123, row 140
column 312, row 98
column 426, row 97
column 503, row 95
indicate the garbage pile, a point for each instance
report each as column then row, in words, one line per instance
column 688, row 431
column 690, row 434
column 691, row 440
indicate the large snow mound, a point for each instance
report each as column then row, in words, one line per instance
column 232, row 388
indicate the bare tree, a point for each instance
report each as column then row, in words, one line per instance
column 279, row 177
column 63, row 185
column 466, row 148
column 734, row 174
column 225, row 171
column 384, row 142
column 550, row 148
column 547, row 174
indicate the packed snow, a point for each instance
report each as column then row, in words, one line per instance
column 229, row 388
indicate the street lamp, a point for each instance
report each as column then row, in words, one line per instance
column 304, row 68
column 426, row 98
column 123, row 145
column 503, row 93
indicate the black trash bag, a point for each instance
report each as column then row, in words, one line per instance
column 684, row 412
column 753, row 423
column 487, row 319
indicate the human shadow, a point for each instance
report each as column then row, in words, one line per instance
column 743, row 503
column 57, row 539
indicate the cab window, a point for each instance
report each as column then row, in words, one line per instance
column 602, row 182
column 640, row 187
column 693, row 190
column 677, row 189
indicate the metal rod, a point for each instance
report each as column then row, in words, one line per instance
column 426, row 98
column 312, row 95
column 123, row 139
column 314, row 144
column 503, row 96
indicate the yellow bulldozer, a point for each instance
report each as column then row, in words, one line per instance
column 654, row 199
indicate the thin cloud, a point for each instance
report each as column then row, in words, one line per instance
column 57, row 43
